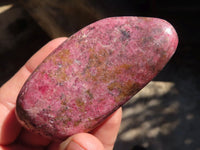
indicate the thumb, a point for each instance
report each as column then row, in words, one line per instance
column 82, row 141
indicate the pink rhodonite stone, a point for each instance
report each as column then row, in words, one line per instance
column 93, row 73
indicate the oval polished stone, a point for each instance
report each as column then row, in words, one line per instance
column 93, row 73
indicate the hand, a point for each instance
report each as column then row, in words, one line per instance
column 14, row 137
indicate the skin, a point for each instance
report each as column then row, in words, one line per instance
column 13, row 136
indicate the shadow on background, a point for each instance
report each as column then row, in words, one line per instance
column 165, row 114
column 20, row 37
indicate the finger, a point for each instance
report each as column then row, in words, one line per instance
column 9, row 127
column 19, row 147
column 107, row 132
column 10, row 90
column 82, row 141
column 53, row 146
column 32, row 139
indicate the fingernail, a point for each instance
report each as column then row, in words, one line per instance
column 69, row 144
column 64, row 144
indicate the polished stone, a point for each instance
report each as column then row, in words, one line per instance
column 93, row 73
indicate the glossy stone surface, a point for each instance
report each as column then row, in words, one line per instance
column 93, row 73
